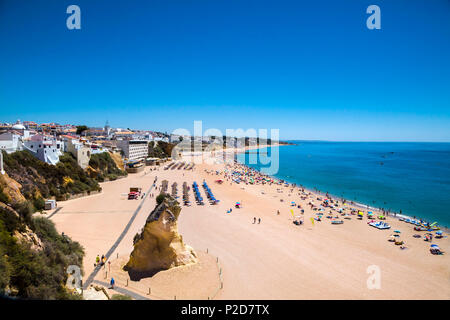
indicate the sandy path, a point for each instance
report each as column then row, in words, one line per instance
column 97, row 221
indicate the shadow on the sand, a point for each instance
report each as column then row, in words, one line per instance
column 138, row 275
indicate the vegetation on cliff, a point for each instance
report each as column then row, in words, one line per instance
column 160, row 149
column 104, row 167
column 33, row 256
column 29, row 273
column 40, row 180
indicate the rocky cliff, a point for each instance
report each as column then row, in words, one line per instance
column 159, row 246
column 39, row 180
column 10, row 190
column 105, row 166
column 33, row 256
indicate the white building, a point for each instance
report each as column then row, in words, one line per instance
column 10, row 142
column 45, row 148
column 133, row 149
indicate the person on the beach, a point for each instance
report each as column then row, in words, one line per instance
column 101, row 260
column 112, row 282
column 278, row 212
column 97, row 260
column 259, row 220
column 254, row 220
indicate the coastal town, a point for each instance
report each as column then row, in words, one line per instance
column 215, row 221
column 48, row 141
column 224, row 158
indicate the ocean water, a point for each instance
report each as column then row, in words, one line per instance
column 411, row 177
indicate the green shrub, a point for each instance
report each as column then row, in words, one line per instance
column 10, row 221
column 4, row 197
column 5, row 271
column 112, row 177
column 120, row 297
column 35, row 175
column 39, row 203
column 106, row 165
column 160, row 150
column 38, row 274
column 160, row 198
column 25, row 209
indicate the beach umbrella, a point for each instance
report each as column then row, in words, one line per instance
column 397, row 231
column 438, row 232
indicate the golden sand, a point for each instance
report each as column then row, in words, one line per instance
column 272, row 260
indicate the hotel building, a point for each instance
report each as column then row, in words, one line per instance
column 133, row 149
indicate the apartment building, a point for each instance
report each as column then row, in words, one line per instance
column 133, row 149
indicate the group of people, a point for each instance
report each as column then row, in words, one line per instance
column 254, row 220
column 100, row 261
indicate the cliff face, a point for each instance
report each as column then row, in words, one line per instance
column 105, row 165
column 33, row 256
column 10, row 189
column 159, row 246
column 39, row 180
column 116, row 157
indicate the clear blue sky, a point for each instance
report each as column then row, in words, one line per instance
column 311, row 69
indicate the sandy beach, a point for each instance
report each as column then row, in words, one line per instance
column 274, row 259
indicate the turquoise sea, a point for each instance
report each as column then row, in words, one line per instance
column 411, row 177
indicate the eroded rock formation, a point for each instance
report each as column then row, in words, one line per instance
column 159, row 246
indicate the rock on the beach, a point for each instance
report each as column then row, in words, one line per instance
column 159, row 246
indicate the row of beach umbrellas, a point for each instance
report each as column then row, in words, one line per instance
column 209, row 193
column 198, row 197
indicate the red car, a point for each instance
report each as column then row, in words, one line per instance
column 133, row 195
